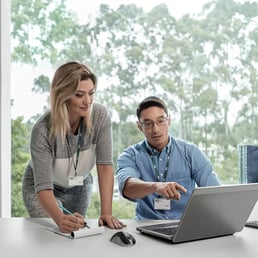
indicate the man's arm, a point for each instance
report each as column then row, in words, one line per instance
column 136, row 189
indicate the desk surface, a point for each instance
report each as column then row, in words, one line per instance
column 26, row 236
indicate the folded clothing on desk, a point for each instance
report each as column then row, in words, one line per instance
column 82, row 232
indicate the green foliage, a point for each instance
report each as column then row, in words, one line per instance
column 94, row 206
column 41, row 84
column 122, row 208
column 20, row 157
column 51, row 24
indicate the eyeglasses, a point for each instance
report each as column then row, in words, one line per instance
column 150, row 124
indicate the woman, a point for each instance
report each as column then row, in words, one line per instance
column 66, row 143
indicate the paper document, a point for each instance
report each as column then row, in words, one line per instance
column 82, row 232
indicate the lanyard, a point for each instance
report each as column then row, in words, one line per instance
column 166, row 168
column 79, row 141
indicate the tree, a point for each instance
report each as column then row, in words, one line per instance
column 20, row 157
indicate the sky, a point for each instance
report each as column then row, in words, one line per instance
column 27, row 103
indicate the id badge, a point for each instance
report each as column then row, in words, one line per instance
column 162, row 204
column 75, row 180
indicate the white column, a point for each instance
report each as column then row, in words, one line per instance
column 5, row 110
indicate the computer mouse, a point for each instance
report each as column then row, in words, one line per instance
column 123, row 238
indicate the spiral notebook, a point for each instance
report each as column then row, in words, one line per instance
column 82, row 232
column 210, row 212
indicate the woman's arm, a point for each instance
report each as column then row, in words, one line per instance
column 66, row 223
column 106, row 186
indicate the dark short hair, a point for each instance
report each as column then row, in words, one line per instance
column 151, row 101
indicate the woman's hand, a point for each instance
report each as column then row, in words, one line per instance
column 111, row 222
column 69, row 223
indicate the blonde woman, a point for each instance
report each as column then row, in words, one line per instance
column 66, row 143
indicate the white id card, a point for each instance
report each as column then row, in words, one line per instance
column 162, row 204
column 75, row 180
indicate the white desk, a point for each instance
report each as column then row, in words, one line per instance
column 26, row 237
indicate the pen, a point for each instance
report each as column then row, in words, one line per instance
column 70, row 213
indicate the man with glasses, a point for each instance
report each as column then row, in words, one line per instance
column 160, row 172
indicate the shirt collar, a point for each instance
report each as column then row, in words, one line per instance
column 152, row 150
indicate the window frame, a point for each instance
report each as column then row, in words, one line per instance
column 5, row 110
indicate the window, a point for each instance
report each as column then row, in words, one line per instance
column 202, row 61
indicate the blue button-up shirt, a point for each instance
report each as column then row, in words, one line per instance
column 188, row 166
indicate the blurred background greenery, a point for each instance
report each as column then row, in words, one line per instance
column 203, row 65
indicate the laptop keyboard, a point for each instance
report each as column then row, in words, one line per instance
column 252, row 224
column 167, row 231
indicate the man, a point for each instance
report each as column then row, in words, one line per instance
column 160, row 172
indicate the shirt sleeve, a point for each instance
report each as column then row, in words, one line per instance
column 41, row 158
column 126, row 167
column 201, row 167
column 103, row 136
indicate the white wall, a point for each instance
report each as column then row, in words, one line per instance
column 5, row 110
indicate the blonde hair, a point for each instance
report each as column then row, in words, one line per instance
column 64, row 84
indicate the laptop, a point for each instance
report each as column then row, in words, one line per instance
column 213, row 211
